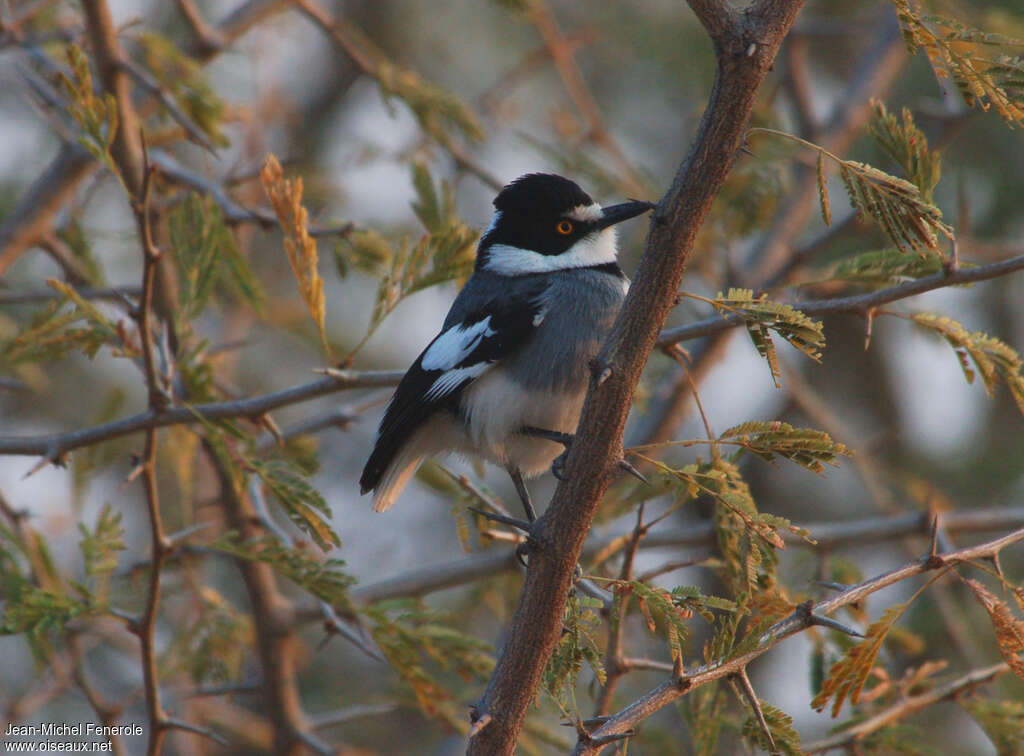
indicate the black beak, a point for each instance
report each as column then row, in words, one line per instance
column 617, row 213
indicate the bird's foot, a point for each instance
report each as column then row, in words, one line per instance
column 523, row 548
column 566, row 440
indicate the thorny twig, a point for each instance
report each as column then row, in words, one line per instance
column 799, row 621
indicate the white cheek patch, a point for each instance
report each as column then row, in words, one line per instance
column 593, row 249
column 586, row 213
column 455, row 345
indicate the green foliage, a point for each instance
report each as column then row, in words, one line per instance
column 96, row 116
column 575, row 646
column 992, row 358
column 786, row 738
column 809, row 448
column 747, row 539
column 325, row 579
column 762, row 316
column 896, row 740
column 959, row 53
column 705, row 713
column 672, row 610
column 38, row 612
column 303, row 503
column 362, row 249
column 207, row 257
column 887, row 267
column 214, row 646
column 87, row 263
column 55, row 331
column 907, row 146
column 1002, row 721
column 912, row 222
column 826, row 206
column 847, row 677
column 420, row 644
column 444, row 253
column 100, row 548
column 183, row 78
column 439, row 112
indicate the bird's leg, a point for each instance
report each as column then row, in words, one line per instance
column 524, row 495
column 524, row 525
column 566, row 440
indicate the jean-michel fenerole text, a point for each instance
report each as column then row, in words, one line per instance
column 78, row 729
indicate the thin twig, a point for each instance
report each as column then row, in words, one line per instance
column 906, row 707
column 159, row 545
column 144, row 79
column 799, row 621
column 561, row 50
column 54, row 446
column 234, row 213
column 827, row 536
column 859, row 303
column 116, row 294
column 614, row 667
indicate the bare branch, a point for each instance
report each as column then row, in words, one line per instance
column 55, row 446
column 827, row 535
column 143, row 78
column 33, row 216
column 860, row 303
column 797, row 622
column 718, row 18
column 116, row 294
column 559, row 534
column 907, row 707
column 145, row 628
column 234, row 213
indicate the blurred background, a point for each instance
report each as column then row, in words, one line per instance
column 609, row 94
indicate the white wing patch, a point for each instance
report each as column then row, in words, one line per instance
column 455, row 345
column 452, row 379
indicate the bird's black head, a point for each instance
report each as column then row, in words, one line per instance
column 546, row 222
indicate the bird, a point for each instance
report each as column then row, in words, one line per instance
column 506, row 377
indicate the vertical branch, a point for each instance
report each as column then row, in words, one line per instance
column 160, row 546
column 614, row 664
column 126, row 149
column 561, row 50
column 274, row 622
column 745, row 45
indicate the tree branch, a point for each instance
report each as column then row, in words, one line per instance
column 799, row 621
column 861, row 303
column 907, row 707
column 745, row 56
column 54, row 446
column 827, row 535
column 159, row 545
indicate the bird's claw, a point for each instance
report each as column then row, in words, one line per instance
column 523, row 548
column 558, row 466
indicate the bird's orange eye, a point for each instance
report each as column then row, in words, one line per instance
column 564, row 227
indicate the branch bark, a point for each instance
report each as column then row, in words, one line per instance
column 861, row 303
column 827, row 535
column 907, row 707
column 746, row 45
column 56, row 445
column 674, row 688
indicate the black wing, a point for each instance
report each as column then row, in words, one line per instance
column 473, row 341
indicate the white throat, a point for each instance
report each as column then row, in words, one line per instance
column 598, row 248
